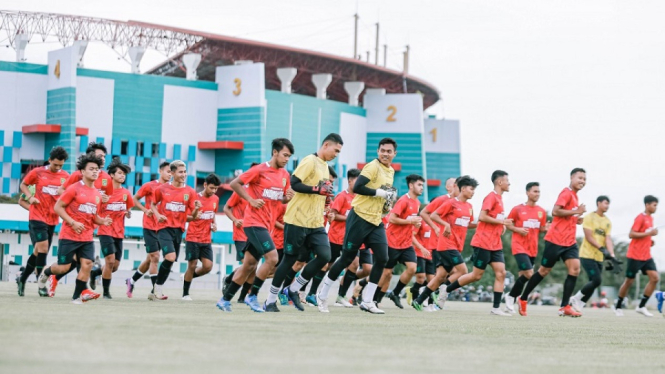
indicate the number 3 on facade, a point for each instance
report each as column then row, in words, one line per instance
column 238, row 84
column 391, row 117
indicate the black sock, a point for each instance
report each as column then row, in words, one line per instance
column 106, row 283
column 48, row 272
column 245, row 289
column 164, row 272
column 153, row 279
column 378, row 295
column 80, row 286
column 619, row 302
column 415, row 289
column 398, row 288
column 453, row 286
column 185, row 288
column 231, row 291
column 304, row 286
column 447, row 282
column 95, row 273
column 644, row 300
column 316, row 281
column 137, row 275
column 288, row 279
column 516, row 291
column 29, row 267
column 568, row 287
column 497, row 299
column 530, row 285
column 424, row 296
column 430, row 299
column 229, row 278
column 196, row 275
column 363, row 282
column 41, row 262
column 72, row 266
column 256, row 287
column 349, row 277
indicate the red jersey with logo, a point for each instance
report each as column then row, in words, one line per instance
column 238, row 206
column 431, row 208
column 46, row 191
column 268, row 184
column 562, row 230
column 424, row 236
column 531, row 218
column 640, row 249
column 401, row 236
column 175, row 203
column 200, row 229
column 277, row 234
column 104, row 182
column 459, row 215
column 342, row 205
column 147, row 191
column 83, row 204
column 488, row 235
column 119, row 203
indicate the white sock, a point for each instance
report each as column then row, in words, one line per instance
column 297, row 285
column 272, row 296
column 325, row 288
column 368, row 292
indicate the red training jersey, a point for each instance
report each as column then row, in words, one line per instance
column 488, row 235
column 104, row 182
column 238, row 206
column 119, row 203
column 147, row 191
column 531, row 218
column 458, row 214
column 562, row 230
column 268, row 184
column 200, row 229
column 342, row 205
column 276, row 233
column 431, row 208
column 175, row 203
column 640, row 249
column 46, row 191
column 424, row 235
column 401, row 236
column 83, row 204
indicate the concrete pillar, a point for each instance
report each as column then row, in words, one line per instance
column 354, row 89
column 135, row 55
column 191, row 61
column 375, row 91
column 80, row 46
column 321, row 82
column 21, row 42
column 286, row 76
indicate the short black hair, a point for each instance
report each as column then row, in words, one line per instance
column 577, row 170
column 466, row 180
column 58, row 153
column 254, row 164
column 498, row 174
column 332, row 172
column 648, row 199
column 530, row 185
column 213, row 179
column 387, row 141
column 92, row 147
column 87, row 158
column 332, row 137
column 353, row 173
column 279, row 143
column 412, row 178
column 164, row 164
column 117, row 164
column 602, row 198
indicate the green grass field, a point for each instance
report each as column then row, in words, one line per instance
column 138, row 336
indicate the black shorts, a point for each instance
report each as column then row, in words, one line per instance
column 425, row 266
column 259, row 242
column 592, row 267
column 524, row 261
column 554, row 252
column 447, row 259
column 335, row 251
column 170, row 239
column 151, row 241
column 68, row 248
column 240, row 250
column 110, row 245
column 300, row 241
column 483, row 257
column 633, row 266
column 365, row 257
column 359, row 232
column 198, row 251
column 400, row 255
column 40, row 231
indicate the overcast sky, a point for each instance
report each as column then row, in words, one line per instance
column 540, row 87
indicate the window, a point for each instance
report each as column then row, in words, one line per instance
column 124, row 144
column 139, row 149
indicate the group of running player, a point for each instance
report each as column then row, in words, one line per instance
column 279, row 229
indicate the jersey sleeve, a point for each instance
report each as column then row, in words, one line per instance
column 445, row 208
column 488, row 202
column 75, row 177
column 31, row 178
column 157, row 196
column 250, row 175
column 432, row 206
column 398, row 208
column 588, row 223
column 144, row 191
column 338, row 203
column 637, row 225
column 287, row 178
column 514, row 214
column 233, row 200
column 369, row 171
column 68, row 196
column 129, row 201
column 193, row 196
column 108, row 190
column 563, row 199
column 543, row 219
column 305, row 168
column 608, row 232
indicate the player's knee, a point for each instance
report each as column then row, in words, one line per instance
column 595, row 281
column 110, row 262
column 170, row 257
column 528, row 274
column 543, row 271
column 500, row 274
column 410, row 268
column 154, row 257
column 653, row 278
column 324, row 257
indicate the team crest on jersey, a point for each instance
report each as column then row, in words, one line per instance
column 214, row 206
column 283, row 182
column 104, row 182
column 62, row 180
column 540, row 214
column 97, row 199
column 186, row 197
column 470, row 211
column 124, row 197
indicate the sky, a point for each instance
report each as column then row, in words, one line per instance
column 539, row 87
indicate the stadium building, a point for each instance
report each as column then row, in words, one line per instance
column 216, row 104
